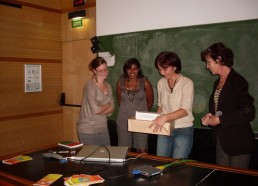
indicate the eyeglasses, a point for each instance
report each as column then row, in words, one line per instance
column 102, row 71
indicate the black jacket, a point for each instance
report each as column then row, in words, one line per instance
column 236, row 104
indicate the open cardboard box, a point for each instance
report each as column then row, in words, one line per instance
column 142, row 126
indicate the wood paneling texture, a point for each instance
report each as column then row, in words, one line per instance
column 40, row 33
column 28, row 133
column 16, row 101
column 30, row 35
column 76, row 57
column 67, row 6
column 55, row 4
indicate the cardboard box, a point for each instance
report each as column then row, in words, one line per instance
column 142, row 126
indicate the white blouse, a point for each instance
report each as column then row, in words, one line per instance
column 181, row 97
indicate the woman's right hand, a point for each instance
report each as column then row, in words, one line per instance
column 158, row 123
column 205, row 119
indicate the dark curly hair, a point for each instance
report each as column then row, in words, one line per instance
column 217, row 50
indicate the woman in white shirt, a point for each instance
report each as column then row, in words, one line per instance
column 175, row 101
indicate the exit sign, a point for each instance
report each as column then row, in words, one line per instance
column 76, row 23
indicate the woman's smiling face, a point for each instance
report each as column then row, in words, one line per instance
column 132, row 72
column 167, row 72
column 102, row 71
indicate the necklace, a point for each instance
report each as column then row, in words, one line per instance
column 172, row 87
column 129, row 91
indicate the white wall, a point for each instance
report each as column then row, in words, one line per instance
column 123, row 16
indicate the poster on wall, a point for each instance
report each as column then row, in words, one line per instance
column 33, row 78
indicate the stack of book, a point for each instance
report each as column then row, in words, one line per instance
column 70, row 144
column 83, row 180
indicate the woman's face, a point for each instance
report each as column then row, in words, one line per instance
column 101, row 71
column 132, row 72
column 212, row 65
column 167, row 72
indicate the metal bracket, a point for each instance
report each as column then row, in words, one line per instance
column 62, row 102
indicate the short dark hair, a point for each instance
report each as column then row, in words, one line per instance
column 96, row 62
column 166, row 59
column 128, row 64
column 219, row 49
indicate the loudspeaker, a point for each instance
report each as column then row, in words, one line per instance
column 95, row 49
column 95, row 41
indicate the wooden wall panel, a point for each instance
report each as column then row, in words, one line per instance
column 55, row 4
column 30, row 33
column 16, row 101
column 87, row 31
column 76, row 57
column 75, row 75
column 67, row 6
column 39, row 33
column 29, row 133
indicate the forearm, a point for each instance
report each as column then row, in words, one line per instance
column 149, row 105
column 108, row 110
column 104, row 109
column 172, row 116
column 159, row 110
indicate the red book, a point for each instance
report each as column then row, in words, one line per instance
column 70, row 144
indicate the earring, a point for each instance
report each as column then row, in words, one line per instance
column 96, row 78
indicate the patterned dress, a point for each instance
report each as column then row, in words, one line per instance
column 131, row 101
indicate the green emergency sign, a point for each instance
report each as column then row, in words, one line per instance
column 76, row 23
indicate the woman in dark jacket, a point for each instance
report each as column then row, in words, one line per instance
column 231, row 109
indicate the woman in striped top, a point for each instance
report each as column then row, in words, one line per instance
column 231, row 109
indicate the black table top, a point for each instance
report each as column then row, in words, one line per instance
column 117, row 174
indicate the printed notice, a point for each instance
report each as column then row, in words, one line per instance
column 108, row 57
column 33, row 79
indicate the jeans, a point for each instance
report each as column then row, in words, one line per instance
column 177, row 145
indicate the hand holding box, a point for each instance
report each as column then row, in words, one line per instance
column 143, row 126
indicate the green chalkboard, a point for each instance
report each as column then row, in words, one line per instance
column 188, row 42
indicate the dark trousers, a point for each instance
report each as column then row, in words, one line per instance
column 223, row 159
